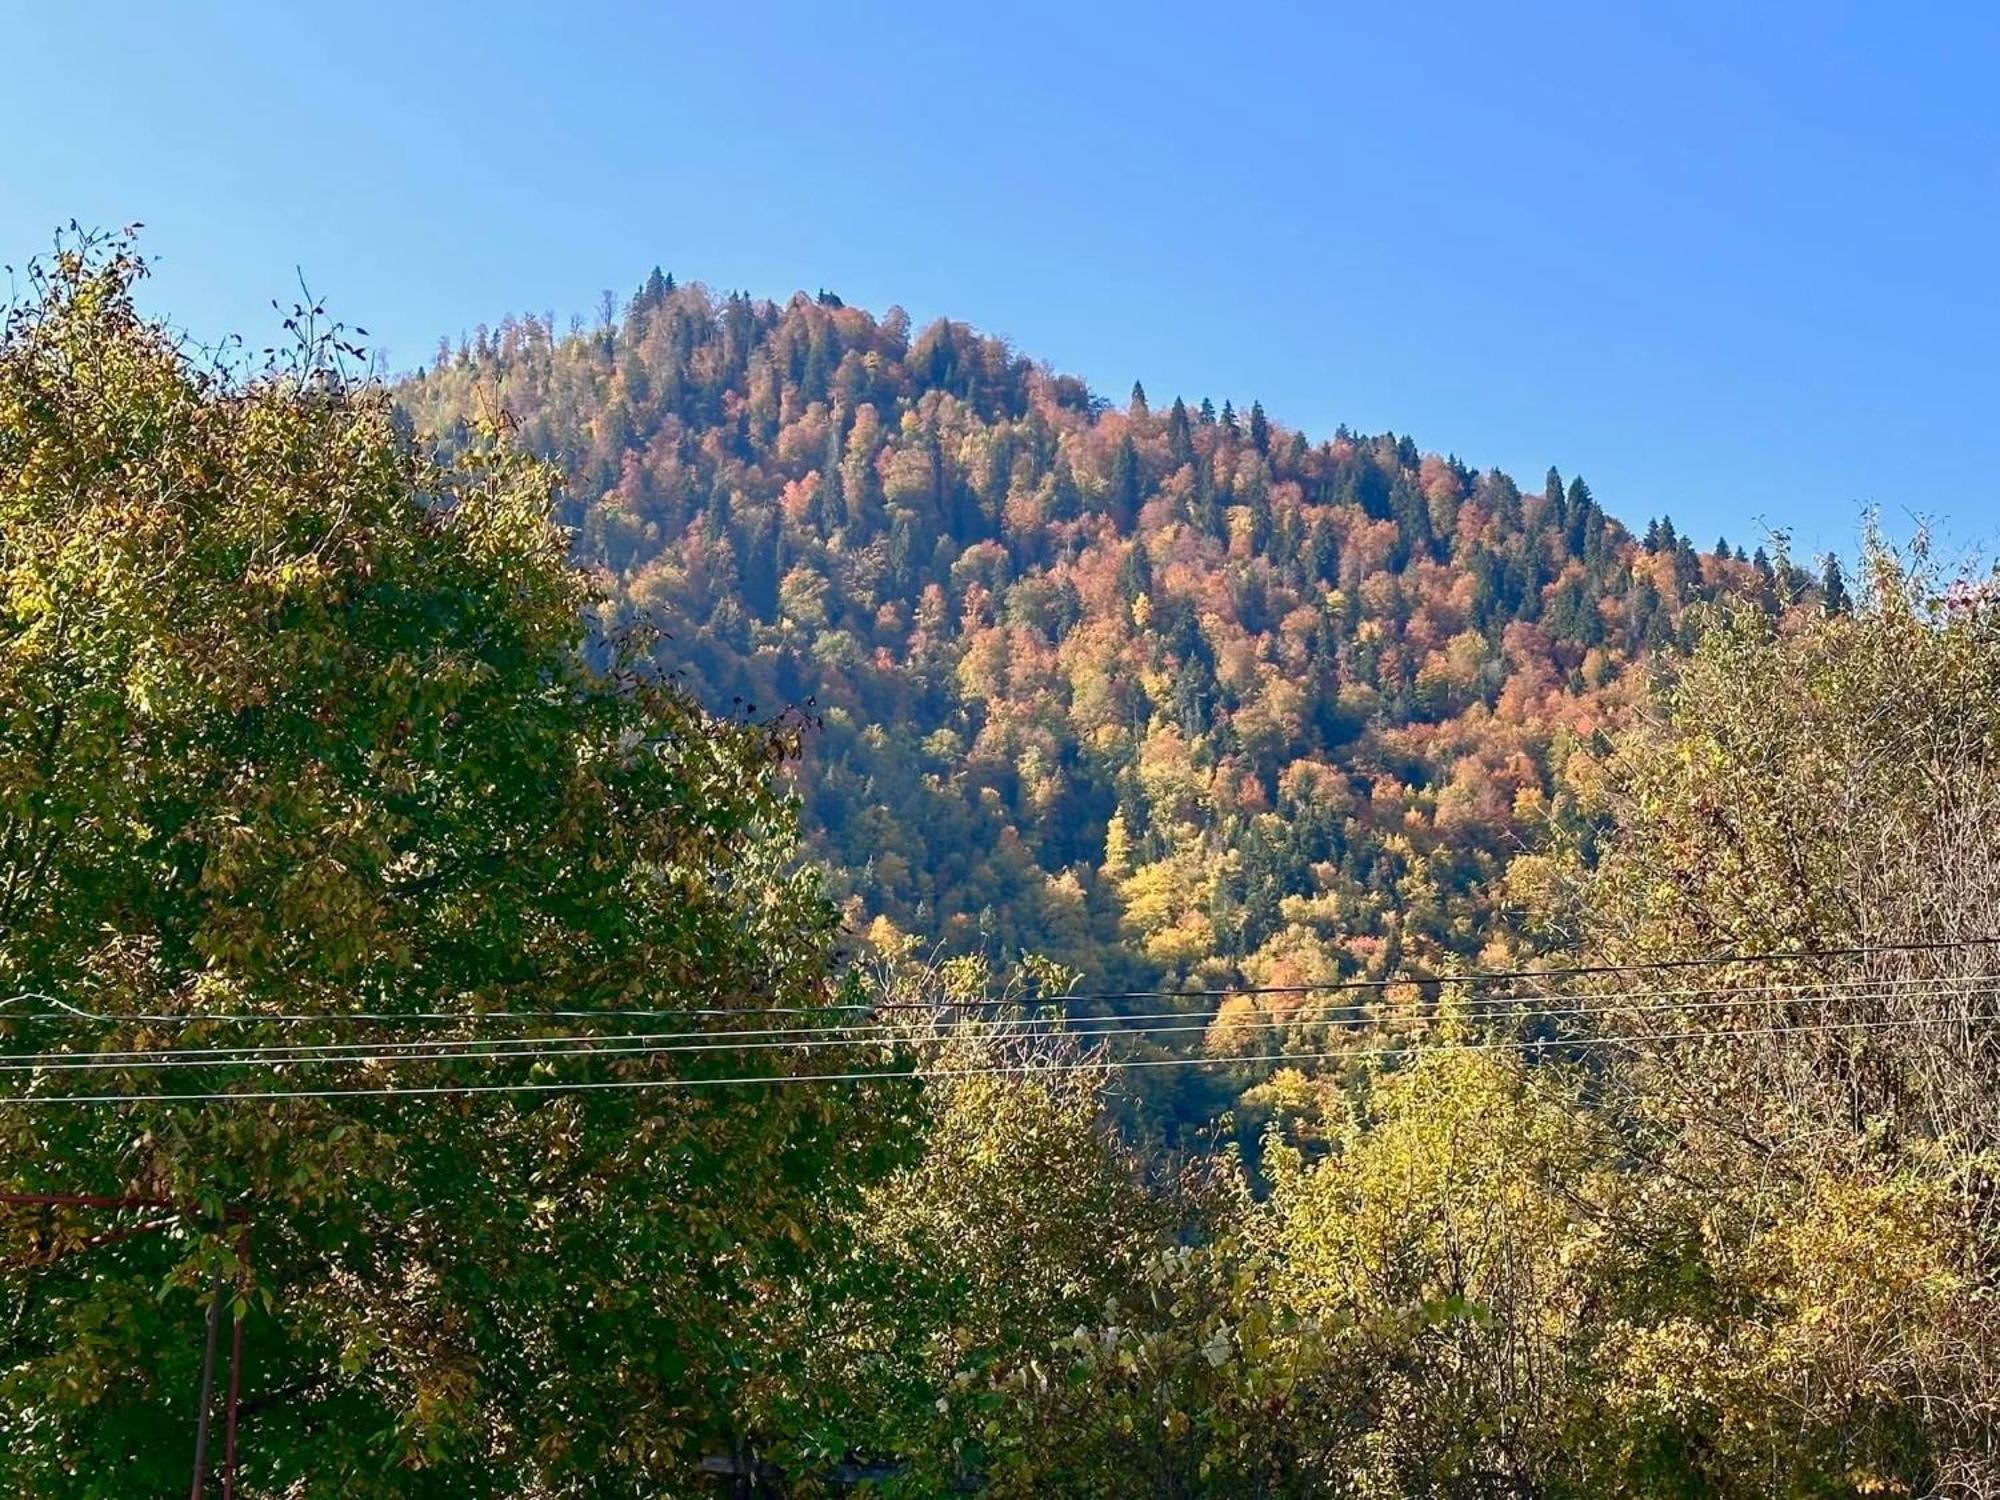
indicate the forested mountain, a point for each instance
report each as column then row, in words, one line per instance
column 349, row 884
column 1162, row 692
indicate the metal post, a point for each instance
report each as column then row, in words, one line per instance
column 207, row 1395
column 235, row 1364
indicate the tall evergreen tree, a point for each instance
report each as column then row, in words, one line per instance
column 1180, row 437
column 1323, row 552
column 1123, row 491
column 1583, row 522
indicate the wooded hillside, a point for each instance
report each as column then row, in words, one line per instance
column 1163, row 692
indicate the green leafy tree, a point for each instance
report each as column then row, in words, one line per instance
column 296, row 722
column 1821, row 789
column 1446, row 1249
column 1036, row 1316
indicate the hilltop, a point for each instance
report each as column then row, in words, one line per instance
column 1163, row 691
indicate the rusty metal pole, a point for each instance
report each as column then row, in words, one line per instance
column 235, row 1397
column 207, row 1395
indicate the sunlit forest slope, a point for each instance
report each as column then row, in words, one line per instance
column 1161, row 691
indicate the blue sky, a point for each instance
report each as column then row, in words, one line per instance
column 1733, row 262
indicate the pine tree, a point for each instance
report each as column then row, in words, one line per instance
column 1139, row 407
column 820, row 359
column 1412, row 515
column 1135, row 575
column 1687, row 566
column 1833, row 587
column 1180, row 438
column 1323, row 552
column 1123, row 496
column 832, row 502
column 1260, row 428
column 1584, row 522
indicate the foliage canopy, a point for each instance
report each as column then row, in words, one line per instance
column 296, row 721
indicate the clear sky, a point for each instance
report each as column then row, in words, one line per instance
column 1732, row 261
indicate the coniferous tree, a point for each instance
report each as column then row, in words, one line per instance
column 1585, row 520
column 1135, row 574
column 833, row 502
column 1123, row 491
column 1323, row 558
column 1687, row 566
column 1180, row 437
column 1412, row 515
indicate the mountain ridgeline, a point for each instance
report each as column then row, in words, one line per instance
column 1165, row 693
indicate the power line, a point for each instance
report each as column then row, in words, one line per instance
column 1026, row 1028
column 1512, row 976
column 1000, row 1070
column 1603, row 1002
column 70, row 1012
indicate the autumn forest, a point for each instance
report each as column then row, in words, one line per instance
column 1173, row 698
column 751, row 899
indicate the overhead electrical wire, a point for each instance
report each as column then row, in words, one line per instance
column 1574, row 971
column 995, row 1070
column 68, row 1011
column 1026, row 1028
